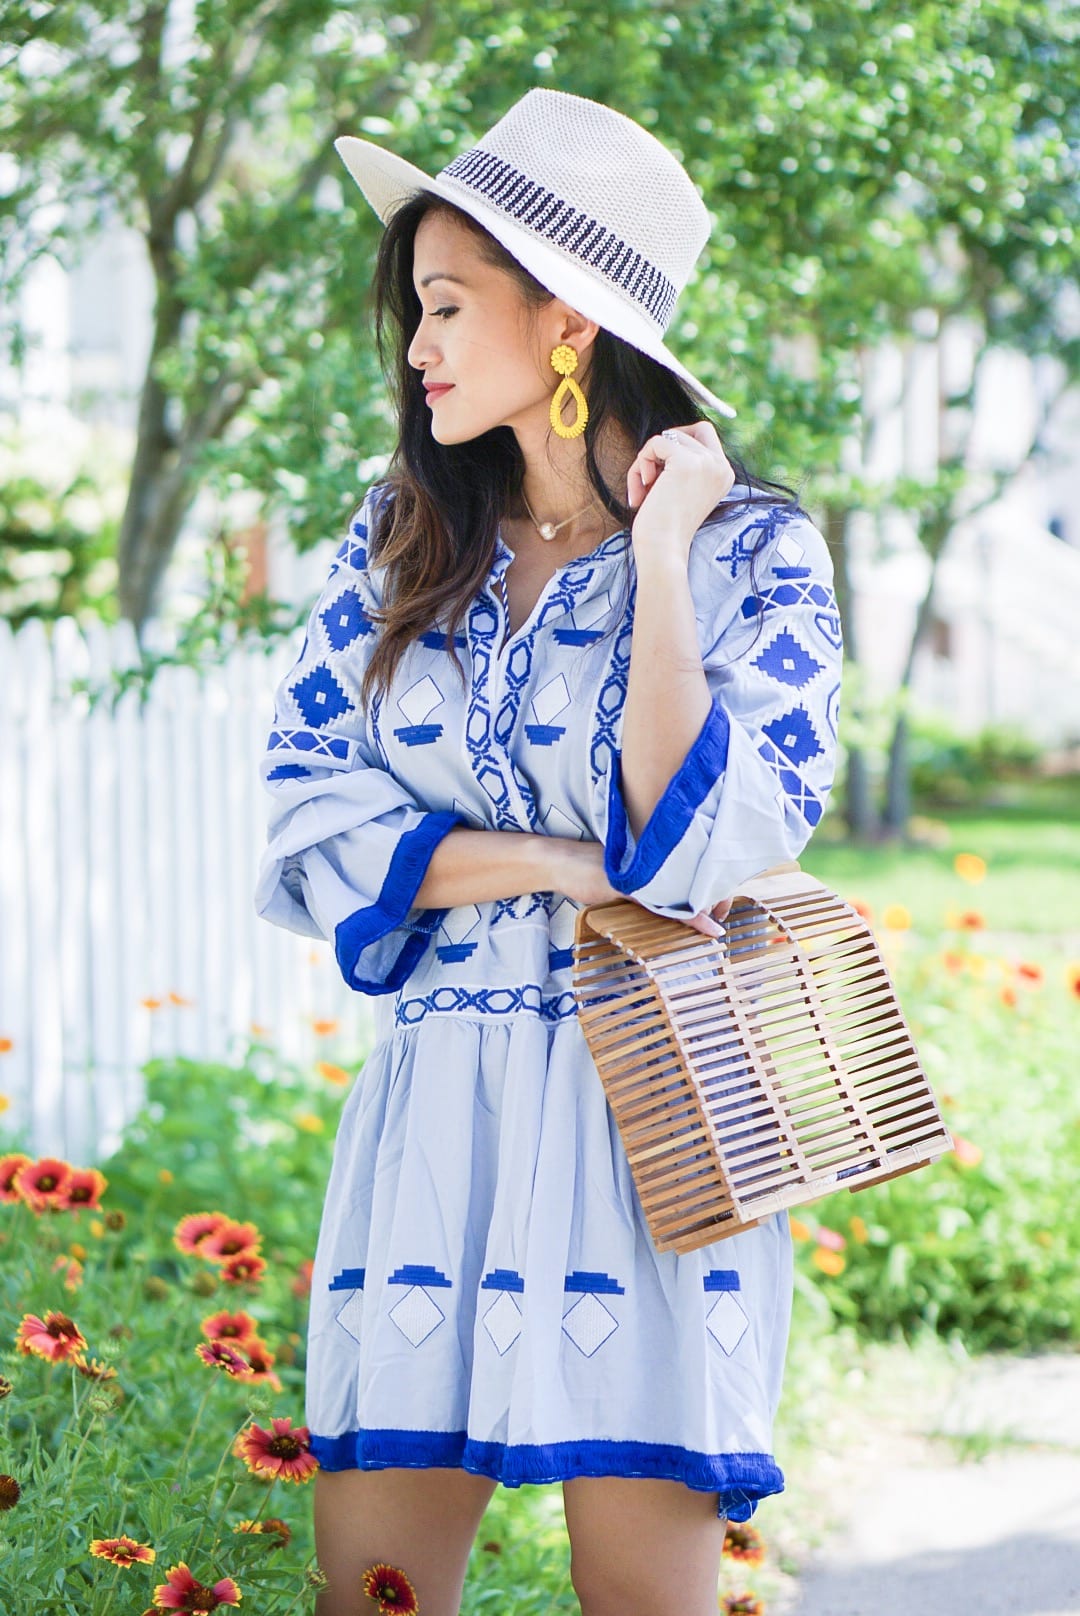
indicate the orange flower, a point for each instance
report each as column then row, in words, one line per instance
column 859, row 1232
column 742, row 1605
column 896, row 917
column 966, row 1152
column 1072, row 979
column 323, row 1029
column 246, row 1269
column 192, row 1230
column 301, row 1285
column 10, row 1165
column 953, row 962
column 42, row 1183
column 93, row 1368
column 970, row 867
column 744, row 1543
column 282, row 1453
column 971, row 920
column 309, row 1122
column 236, row 1328
column 799, row 1230
column 272, row 1526
column 1028, row 971
column 6, row 1045
column 83, row 1187
column 73, row 1270
column 830, row 1262
column 178, row 998
column 229, row 1239
column 861, row 907
column 55, row 1337
column 123, row 1551
column 1008, row 997
column 150, row 1004
column 332, row 1073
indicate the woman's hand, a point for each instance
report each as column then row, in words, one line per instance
column 581, row 876
column 673, row 484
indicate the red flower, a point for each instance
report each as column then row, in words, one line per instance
column 971, row 920
column 9, row 1166
column 219, row 1355
column 42, row 1183
column 55, row 1337
column 84, row 1187
column 229, row 1239
column 301, row 1285
column 180, row 1591
column 744, row 1543
column 260, row 1359
column 282, row 1453
column 390, row 1587
column 742, row 1605
column 73, row 1270
column 1028, row 971
column 236, row 1327
column 123, row 1551
column 246, row 1269
column 191, row 1231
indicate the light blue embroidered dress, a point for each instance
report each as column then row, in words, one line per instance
column 485, row 1292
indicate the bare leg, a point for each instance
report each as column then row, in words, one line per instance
column 421, row 1521
column 640, row 1547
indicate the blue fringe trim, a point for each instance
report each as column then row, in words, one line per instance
column 408, row 866
column 667, row 824
column 741, row 1479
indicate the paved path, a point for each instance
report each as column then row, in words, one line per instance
column 984, row 1524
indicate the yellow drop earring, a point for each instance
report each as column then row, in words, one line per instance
column 564, row 362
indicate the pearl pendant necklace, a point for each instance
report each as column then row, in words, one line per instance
column 548, row 530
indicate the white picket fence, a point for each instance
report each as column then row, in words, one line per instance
column 129, row 839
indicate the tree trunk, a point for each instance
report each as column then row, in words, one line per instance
column 898, row 771
column 859, row 811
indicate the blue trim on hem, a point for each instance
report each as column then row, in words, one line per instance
column 358, row 931
column 667, row 824
column 740, row 1479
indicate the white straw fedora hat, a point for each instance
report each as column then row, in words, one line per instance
column 590, row 203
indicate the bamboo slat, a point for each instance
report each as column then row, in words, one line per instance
column 754, row 1071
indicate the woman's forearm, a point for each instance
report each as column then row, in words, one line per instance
column 476, row 866
column 667, row 693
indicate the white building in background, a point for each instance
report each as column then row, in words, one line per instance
column 1003, row 645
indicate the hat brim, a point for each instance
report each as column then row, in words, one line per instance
column 387, row 180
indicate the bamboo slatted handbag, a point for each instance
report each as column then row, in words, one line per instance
column 754, row 1071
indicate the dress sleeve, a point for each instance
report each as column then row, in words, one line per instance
column 755, row 781
column 347, row 845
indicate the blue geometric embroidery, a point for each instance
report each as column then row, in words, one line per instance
column 336, row 751
column 786, row 660
column 349, row 1279
column 503, row 1279
column 289, row 771
column 435, row 639
column 794, row 734
column 487, row 762
column 319, row 696
column 737, row 554
column 828, row 626
column 794, row 786
column 722, row 1279
column 455, row 928
column 351, row 552
column 609, row 702
column 832, row 708
column 549, row 701
column 560, row 959
column 584, row 616
column 789, row 594
column 583, row 1280
column 418, row 1274
column 764, row 528
column 416, row 703
column 344, row 619
column 503, row 1001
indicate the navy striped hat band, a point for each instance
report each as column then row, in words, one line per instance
column 590, row 203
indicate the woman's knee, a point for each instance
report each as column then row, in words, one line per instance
column 421, row 1523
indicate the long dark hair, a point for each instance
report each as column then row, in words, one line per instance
column 442, row 503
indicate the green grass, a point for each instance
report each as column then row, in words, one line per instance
column 1031, row 844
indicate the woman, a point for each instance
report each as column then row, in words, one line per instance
column 549, row 666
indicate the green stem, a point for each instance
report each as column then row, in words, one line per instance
column 303, row 1589
column 213, row 1485
column 194, row 1427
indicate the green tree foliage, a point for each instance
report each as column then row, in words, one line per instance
column 873, row 171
